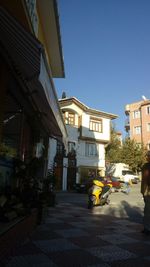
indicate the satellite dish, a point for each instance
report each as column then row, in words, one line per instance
column 144, row 98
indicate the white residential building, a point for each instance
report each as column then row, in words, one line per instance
column 88, row 134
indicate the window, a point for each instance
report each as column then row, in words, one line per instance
column 96, row 125
column 137, row 130
column 148, row 110
column 69, row 118
column 124, row 172
column 136, row 114
column 91, row 149
column 148, row 127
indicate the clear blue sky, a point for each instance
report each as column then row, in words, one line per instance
column 106, row 48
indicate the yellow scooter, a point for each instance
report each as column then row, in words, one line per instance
column 98, row 193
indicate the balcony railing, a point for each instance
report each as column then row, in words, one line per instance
column 127, row 125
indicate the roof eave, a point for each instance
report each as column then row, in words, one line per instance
column 66, row 101
column 48, row 11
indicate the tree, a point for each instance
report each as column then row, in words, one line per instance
column 133, row 154
column 129, row 152
column 113, row 150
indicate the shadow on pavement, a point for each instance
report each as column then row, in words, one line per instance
column 123, row 210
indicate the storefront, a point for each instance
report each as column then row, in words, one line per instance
column 29, row 110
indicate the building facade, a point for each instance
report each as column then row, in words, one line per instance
column 88, row 133
column 30, row 57
column 138, row 122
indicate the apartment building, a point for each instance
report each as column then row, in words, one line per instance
column 138, row 121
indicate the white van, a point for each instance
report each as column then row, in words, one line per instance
column 120, row 170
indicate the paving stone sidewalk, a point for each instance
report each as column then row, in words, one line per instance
column 73, row 236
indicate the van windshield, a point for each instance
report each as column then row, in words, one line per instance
column 126, row 172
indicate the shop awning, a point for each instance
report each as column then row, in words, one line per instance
column 24, row 52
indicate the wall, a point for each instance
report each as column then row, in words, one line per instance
column 134, row 122
column 85, row 118
column 145, row 118
column 83, row 160
column 105, row 135
column 73, row 133
column 51, row 152
column 145, row 121
column 74, row 107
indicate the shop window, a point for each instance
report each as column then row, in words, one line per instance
column 12, row 126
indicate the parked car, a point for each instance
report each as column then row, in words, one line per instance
column 115, row 182
column 116, row 185
column 135, row 180
column 84, row 187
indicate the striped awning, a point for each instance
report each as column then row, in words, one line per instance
column 24, row 48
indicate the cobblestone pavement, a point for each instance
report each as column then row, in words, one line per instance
column 73, row 236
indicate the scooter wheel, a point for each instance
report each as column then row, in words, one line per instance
column 107, row 201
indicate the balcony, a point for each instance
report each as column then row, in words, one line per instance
column 127, row 125
column 127, row 109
